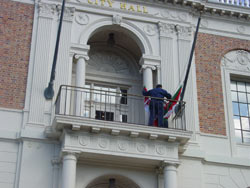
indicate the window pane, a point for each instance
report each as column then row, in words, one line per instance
column 237, row 122
column 246, row 137
column 233, row 85
column 248, row 87
column 245, row 123
column 242, row 97
column 238, row 136
column 234, row 96
column 248, row 98
column 236, row 108
column 243, row 109
column 241, row 86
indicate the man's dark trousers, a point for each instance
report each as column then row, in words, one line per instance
column 156, row 110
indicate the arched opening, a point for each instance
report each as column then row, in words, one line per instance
column 112, row 74
column 112, row 181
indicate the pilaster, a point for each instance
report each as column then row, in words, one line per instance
column 41, row 62
column 167, row 39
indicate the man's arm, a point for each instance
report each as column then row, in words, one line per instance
column 167, row 95
column 145, row 93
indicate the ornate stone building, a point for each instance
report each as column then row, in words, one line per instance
column 93, row 133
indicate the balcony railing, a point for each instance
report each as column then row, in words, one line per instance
column 242, row 3
column 106, row 105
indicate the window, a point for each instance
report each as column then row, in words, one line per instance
column 240, row 92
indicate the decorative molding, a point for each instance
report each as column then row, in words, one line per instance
column 166, row 30
column 148, row 66
column 106, row 61
column 150, row 29
column 120, row 145
column 117, row 19
column 82, row 19
column 183, row 32
column 68, row 13
column 84, row 56
column 46, row 10
column 241, row 29
column 239, row 59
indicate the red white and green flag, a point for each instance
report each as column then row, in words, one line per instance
column 146, row 101
column 169, row 107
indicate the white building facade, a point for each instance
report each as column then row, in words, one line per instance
column 93, row 133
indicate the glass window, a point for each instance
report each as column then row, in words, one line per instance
column 240, row 92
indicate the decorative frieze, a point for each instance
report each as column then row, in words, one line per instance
column 239, row 59
column 120, row 145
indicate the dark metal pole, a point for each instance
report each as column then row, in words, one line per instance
column 190, row 60
column 49, row 91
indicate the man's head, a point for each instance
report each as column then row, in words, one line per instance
column 158, row 86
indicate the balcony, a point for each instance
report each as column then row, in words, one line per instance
column 95, row 120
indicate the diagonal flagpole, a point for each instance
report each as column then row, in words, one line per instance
column 190, row 60
column 49, row 91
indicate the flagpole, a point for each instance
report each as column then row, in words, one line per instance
column 190, row 60
column 49, row 91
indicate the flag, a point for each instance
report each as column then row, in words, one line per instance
column 146, row 101
column 146, row 106
column 169, row 107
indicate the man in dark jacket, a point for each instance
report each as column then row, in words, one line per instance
column 156, row 104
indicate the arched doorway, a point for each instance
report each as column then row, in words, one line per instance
column 113, row 67
column 112, row 181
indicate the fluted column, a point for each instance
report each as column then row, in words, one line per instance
column 69, row 170
column 170, row 175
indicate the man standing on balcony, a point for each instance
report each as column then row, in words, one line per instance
column 156, row 104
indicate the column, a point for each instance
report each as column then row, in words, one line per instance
column 80, row 82
column 170, row 175
column 148, row 76
column 69, row 170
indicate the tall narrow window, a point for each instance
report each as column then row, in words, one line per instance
column 240, row 92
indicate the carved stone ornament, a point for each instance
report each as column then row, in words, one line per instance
column 204, row 23
column 103, row 143
column 82, row 19
column 166, row 29
column 161, row 150
column 141, row 148
column 117, row 19
column 68, row 13
column 84, row 140
column 46, row 10
column 107, row 61
column 183, row 31
column 123, row 145
column 183, row 16
column 150, row 30
column 239, row 60
column 241, row 29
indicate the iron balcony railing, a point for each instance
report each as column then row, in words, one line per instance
column 112, row 106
